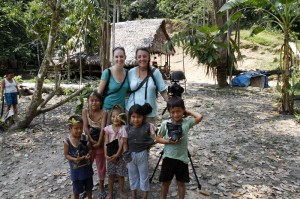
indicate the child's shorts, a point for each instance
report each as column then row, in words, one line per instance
column 11, row 98
column 171, row 167
column 80, row 186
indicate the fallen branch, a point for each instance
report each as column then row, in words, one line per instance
column 29, row 88
column 57, row 86
column 46, row 109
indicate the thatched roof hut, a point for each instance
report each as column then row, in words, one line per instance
column 149, row 33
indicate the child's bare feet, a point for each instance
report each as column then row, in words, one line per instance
column 109, row 196
column 123, row 195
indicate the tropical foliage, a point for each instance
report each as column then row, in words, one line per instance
column 284, row 14
column 184, row 9
column 15, row 44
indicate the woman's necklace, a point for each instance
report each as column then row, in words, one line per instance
column 118, row 73
column 142, row 73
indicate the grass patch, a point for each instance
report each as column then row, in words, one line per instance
column 265, row 38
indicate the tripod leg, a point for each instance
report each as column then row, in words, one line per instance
column 164, row 111
column 161, row 154
column 199, row 185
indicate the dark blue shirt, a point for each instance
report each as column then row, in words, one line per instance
column 80, row 170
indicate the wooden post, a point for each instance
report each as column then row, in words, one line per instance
column 184, row 70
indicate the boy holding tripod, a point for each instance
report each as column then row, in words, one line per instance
column 174, row 134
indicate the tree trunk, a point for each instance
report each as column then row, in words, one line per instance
column 118, row 10
column 287, row 101
column 36, row 99
column 80, row 67
column 113, row 25
column 222, row 76
column 105, row 39
column 222, row 68
column 68, row 67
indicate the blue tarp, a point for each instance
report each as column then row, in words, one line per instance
column 243, row 80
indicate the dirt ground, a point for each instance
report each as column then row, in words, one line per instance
column 242, row 149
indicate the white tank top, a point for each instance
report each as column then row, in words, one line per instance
column 10, row 87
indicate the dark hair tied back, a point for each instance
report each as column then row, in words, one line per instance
column 146, row 50
column 118, row 48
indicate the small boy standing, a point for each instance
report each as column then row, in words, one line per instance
column 174, row 134
column 76, row 151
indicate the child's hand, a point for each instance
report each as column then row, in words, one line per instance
column 111, row 158
column 174, row 142
column 114, row 157
column 87, row 156
column 80, row 158
column 108, row 158
column 187, row 113
column 95, row 145
column 93, row 142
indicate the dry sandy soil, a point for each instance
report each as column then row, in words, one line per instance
column 242, row 149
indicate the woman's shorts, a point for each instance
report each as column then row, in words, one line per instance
column 11, row 98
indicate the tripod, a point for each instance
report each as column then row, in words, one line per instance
column 189, row 155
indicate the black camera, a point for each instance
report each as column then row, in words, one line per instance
column 95, row 133
column 83, row 148
column 112, row 147
column 174, row 131
column 175, row 89
column 147, row 108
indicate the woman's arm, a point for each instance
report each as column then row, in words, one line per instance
column 101, row 86
column 103, row 81
column 165, row 95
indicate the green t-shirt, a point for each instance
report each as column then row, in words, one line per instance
column 113, row 85
column 177, row 151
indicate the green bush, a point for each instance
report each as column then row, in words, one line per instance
column 18, row 78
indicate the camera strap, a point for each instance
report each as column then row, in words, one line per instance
column 106, row 86
column 145, row 80
column 150, row 73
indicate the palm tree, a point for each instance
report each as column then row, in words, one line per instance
column 211, row 45
column 222, row 66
